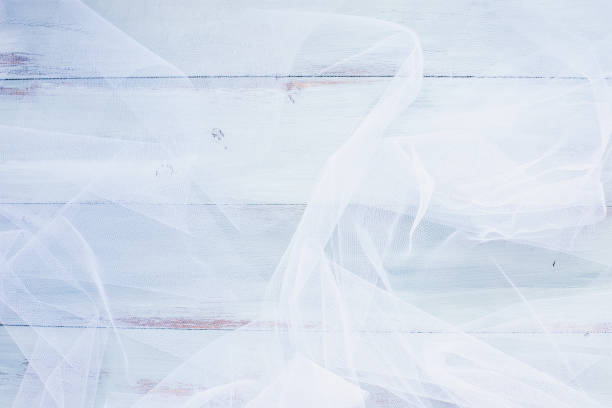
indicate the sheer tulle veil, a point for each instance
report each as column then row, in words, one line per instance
column 437, row 181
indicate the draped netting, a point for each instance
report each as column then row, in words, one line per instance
column 371, row 302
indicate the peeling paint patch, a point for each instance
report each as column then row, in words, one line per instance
column 13, row 59
column 298, row 85
column 146, row 385
column 17, row 91
column 205, row 324
column 294, row 87
column 182, row 323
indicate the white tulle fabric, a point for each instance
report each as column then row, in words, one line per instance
column 431, row 200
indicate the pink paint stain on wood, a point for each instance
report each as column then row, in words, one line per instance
column 206, row 324
column 231, row 324
column 182, row 323
column 298, row 85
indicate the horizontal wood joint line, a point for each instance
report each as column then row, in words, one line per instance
column 76, row 78
column 120, row 202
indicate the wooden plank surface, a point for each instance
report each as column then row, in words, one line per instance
column 154, row 354
column 94, row 156
column 160, row 276
column 58, row 136
column 107, row 174
column 64, row 38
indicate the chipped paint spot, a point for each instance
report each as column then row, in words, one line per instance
column 293, row 87
column 13, row 59
column 164, row 170
column 217, row 134
column 595, row 328
column 182, row 323
column 299, row 85
column 146, row 385
column 205, row 324
column 16, row 91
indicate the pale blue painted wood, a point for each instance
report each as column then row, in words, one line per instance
column 55, row 135
column 73, row 38
column 153, row 354
column 278, row 133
